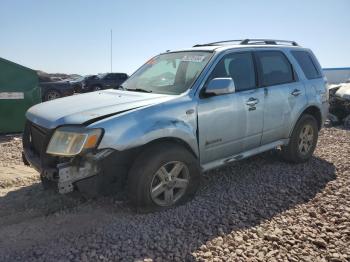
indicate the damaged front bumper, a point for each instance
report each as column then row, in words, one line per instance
column 69, row 171
column 94, row 172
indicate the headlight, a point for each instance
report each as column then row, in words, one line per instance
column 70, row 141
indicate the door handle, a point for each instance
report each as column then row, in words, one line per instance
column 296, row 92
column 252, row 101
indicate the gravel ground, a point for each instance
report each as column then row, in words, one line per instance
column 259, row 209
column 10, row 150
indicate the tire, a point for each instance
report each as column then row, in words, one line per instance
column 51, row 95
column 96, row 88
column 78, row 89
column 146, row 174
column 303, row 140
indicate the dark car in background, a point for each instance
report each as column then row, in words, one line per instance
column 103, row 81
column 77, row 84
column 54, row 90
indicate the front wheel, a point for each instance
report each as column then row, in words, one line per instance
column 96, row 88
column 164, row 175
column 52, row 94
column 303, row 141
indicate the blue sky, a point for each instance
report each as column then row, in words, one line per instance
column 73, row 36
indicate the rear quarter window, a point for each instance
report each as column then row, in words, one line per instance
column 307, row 64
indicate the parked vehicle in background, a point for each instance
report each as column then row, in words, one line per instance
column 103, row 81
column 54, row 90
column 79, row 83
column 339, row 100
column 181, row 113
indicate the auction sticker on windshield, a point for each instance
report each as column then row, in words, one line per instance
column 193, row 58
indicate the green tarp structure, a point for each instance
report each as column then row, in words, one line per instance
column 19, row 90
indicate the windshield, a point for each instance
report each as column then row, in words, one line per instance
column 81, row 78
column 170, row 73
column 100, row 76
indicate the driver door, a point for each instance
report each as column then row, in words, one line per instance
column 230, row 124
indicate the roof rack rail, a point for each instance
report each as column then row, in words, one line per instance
column 251, row 42
column 267, row 42
column 218, row 43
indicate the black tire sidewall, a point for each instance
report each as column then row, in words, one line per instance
column 48, row 92
column 292, row 150
column 145, row 166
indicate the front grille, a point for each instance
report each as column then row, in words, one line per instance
column 36, row 138
column 35, row 141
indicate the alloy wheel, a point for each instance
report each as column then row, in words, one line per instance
column 169, row 183
column 53, row 95
column 306, row 139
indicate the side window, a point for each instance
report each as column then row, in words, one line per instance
column 307, row 64
column 122, row 76
column 275, row 69
column 238, row 66
column 110, row 77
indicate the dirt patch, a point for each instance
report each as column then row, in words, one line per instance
column 18, row 175
column 255, row 210
column 10, row 150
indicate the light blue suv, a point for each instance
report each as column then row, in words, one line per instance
column 181, row 113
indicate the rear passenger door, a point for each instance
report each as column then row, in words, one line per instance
column 284, row 94
column 110, row 81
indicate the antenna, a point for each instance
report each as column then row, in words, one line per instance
column 111, row 50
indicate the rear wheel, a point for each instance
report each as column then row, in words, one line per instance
column 164, row 175
column 303, row 141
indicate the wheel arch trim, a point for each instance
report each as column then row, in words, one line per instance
column 313, row 110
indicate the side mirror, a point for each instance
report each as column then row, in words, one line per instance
column 220, row 86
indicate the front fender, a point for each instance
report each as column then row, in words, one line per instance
column 160, row 129
column 133, row 129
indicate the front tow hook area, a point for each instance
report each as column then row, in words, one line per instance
column 68, row 173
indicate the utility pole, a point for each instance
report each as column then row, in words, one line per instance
column 111, row 50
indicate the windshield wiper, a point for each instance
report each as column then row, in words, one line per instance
column 138, row 90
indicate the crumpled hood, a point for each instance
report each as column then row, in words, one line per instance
column 343, row 92
column 78, row 109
